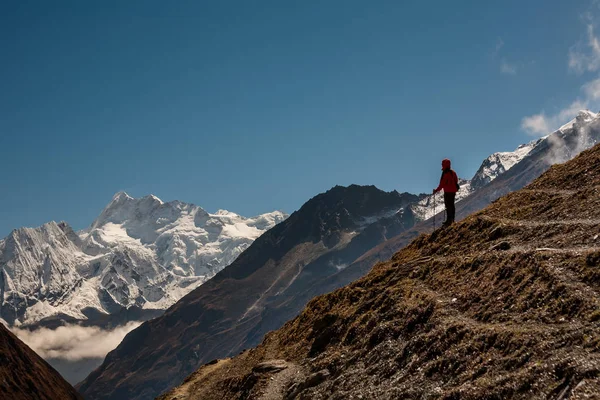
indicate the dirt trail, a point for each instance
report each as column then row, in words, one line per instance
column 278, row 383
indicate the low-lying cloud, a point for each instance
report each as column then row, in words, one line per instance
column 74, row 342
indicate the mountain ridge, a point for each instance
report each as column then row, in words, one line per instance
column 247, row 324
column 504, row 304
column 329, row 230
column 24, row 375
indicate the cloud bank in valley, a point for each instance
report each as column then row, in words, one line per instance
column 74, row 342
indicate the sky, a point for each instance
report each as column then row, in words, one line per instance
column 259, row 106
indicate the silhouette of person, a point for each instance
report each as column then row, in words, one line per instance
column 448, row 183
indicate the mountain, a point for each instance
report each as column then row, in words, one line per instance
column 491, row 168
column 501, row 305
column 269, row 284
column 535, row 158
column 25, row 376
column 255, row 294
column 135, row 260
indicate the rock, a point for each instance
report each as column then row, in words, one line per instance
column 311, row 381
column 593, row 259
column 503, row 246
column 316, row 378
column 270, row 366
column 496, row 233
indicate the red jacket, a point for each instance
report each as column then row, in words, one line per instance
column 448, row 181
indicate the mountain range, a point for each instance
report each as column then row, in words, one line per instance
column 135, row 260
column 141, row 257
column 503, row 304
column 332, row 240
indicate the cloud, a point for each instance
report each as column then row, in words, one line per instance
column 592, row 89
column 507, row 68
column 542, row 124
column 74, row 342
column 536, row 124
column 586, row 56
column 499, row 46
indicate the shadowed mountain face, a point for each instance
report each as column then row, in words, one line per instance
column 25, row 376
column 255, row 294
column 501, row 305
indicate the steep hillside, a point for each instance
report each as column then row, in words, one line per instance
column 25, row 376
column 255, row 294
column 504, row 304
column 560, row 146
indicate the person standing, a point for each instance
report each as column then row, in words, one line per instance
column 448, row 183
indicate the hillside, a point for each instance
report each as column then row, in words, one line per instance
column 268, row 286
column 25, row 376
column 255, row 294
column 502, row 305
column 519, row 170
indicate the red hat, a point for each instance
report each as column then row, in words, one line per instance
column 445, row 163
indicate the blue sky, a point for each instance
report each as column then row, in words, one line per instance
column 256, row 106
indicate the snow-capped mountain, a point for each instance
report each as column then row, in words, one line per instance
column 498, row 163
column 492, row 167
column 561, row 145
column 139, row 256
column 583, row 117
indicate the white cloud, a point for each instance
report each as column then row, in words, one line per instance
column 536, row 124
column 592, row 89
column 542, row 124
column 74, row 342
column 586, row 56
column 583, row 57
column 507, row 68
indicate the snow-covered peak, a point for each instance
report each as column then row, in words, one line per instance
column 139, row 252
column 120, row 196
column 583, row 117
column 225, row 213
column 498, row 163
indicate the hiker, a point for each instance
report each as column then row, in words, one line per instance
column 448, row 182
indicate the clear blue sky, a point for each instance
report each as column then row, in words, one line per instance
column 253, row 106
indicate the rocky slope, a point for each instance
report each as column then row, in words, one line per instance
column 562, row 145
column 25, row 376
column 255, row 294
column 501, row 305
column 138, row 258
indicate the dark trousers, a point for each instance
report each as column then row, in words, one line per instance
column 450, row 209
